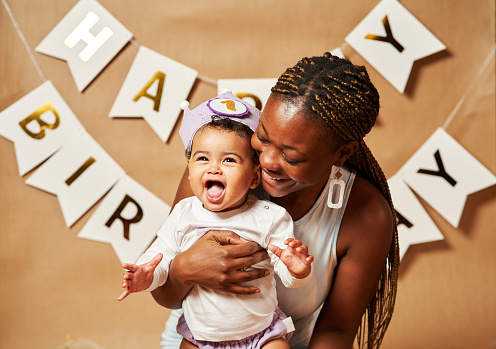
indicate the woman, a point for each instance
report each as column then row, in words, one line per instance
column 310, row 137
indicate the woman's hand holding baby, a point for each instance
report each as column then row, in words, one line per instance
column 217, row 260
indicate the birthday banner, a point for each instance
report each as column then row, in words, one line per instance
column 42, row 126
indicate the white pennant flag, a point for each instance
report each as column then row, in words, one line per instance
column 415, row 226
column 338, row 52
column 38, row 124
column 444, row 173
column 253, row 91
column 154, row 89
column 80, row 173
column 128, row 218
column 88, row 37
column 390, row 38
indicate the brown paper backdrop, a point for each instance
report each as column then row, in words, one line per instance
column 55, row 284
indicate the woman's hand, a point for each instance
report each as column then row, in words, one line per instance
column 214, row 261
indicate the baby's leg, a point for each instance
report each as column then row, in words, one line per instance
column 188, row 345
column 278, row 343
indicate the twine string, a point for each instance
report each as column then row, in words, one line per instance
column 23, row 39
column 467, row 91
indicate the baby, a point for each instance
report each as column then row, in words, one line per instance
column 223, row 167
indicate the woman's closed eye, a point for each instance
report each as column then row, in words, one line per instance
column 261, row 139
column 291, row 161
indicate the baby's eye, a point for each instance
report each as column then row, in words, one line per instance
column 230, row 160
column 201, row 158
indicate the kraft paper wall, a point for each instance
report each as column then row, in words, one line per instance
column 55, row 284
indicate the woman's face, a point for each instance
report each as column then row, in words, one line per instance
column 295, row 155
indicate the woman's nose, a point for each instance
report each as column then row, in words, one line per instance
column 268, row 158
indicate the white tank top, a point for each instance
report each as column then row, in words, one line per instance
column 318, row 229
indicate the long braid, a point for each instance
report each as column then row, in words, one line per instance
column 342, row 95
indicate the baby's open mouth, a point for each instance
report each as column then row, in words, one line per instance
column 214, row 189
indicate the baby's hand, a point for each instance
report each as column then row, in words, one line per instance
column 295, row 257
column 138, row 277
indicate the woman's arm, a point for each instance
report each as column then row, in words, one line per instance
column 363, row 245
column 214, row 261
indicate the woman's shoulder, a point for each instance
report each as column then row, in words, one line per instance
column 368, row 219
column 366, row 199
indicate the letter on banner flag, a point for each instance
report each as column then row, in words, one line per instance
column 415, row 226
column 253, row 91
column 444, row 173
column 154, row 89
column 80, row 173
column 128, row 218
column 390, row 38
column 88, row 37
column 39, row 124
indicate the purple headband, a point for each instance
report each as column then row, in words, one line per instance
column 224, row 105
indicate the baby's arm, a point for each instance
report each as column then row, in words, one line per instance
column 295, row 256
column 152, row 267
column 138, row 278
column 289, row 256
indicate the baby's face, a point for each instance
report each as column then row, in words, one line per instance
column 221, row 169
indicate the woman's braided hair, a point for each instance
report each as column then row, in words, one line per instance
column 342, row 95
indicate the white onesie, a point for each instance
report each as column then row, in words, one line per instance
column 319, row 230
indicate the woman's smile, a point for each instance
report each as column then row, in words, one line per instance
column 291, row 161
column 273, row 180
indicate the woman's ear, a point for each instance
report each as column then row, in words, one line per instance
column 257, row 177
column 345, row 151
